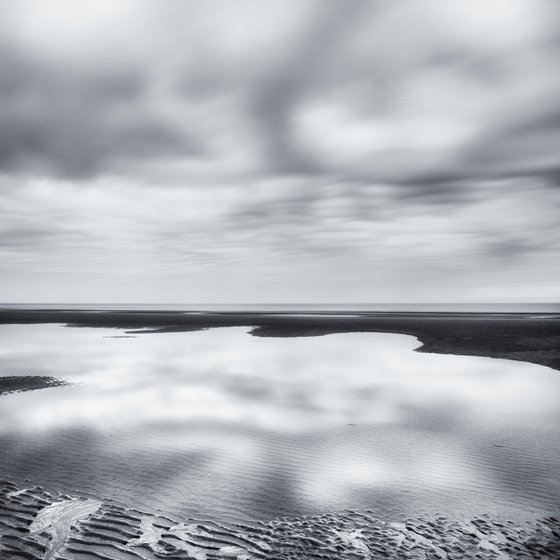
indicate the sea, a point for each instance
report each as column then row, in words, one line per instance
column 218, row 424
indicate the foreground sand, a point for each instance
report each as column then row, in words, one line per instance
column 35, row 524
column 17, row 384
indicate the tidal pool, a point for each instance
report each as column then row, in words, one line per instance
column 220, row 424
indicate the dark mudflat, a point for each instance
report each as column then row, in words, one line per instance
column 17, row 384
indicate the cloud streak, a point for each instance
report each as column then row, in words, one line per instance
column 211, row 150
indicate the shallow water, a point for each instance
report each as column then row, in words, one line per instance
column 224, row 425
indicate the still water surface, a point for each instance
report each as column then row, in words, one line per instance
column 221, row 424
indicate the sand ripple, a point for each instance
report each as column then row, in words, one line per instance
column 35, row 525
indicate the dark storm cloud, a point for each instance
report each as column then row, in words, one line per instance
column 525, row 146
column 418, row 93
column 74, row 120
column 276, row 94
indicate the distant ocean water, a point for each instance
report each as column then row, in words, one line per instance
column 538, row 307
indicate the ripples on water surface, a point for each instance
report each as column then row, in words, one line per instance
column 224, row 425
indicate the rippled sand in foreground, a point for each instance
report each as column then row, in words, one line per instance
column 35, row 524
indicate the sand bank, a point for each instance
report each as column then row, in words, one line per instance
column 17, row 384
column 36, row 524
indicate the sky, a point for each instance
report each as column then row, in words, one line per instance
column 279, row 151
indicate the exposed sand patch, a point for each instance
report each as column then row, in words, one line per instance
column 38, row 525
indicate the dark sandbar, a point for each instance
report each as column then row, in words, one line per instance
column 17, row 384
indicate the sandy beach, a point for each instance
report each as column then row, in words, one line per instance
column 128, row 434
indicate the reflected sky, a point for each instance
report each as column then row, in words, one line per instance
column 220, row 423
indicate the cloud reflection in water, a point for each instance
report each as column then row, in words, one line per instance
column 222, row 423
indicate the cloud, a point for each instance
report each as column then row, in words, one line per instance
column 264, row 148
column 367, row 90
column 283, row 239
column 75, row 121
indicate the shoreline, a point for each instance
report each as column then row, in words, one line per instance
column 527, row 337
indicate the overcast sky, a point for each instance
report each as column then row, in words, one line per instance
column 279, row 151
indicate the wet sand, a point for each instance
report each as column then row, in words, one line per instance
column 17, row 384
column 527, row 337
column 35, row 524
